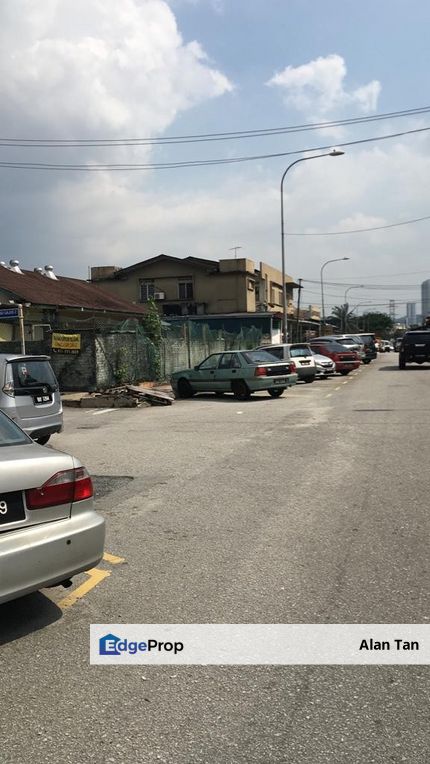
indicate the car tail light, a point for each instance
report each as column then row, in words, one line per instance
column 63, row 488
column 260, row 371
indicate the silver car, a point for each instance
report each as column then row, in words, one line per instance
column 29, row 394
column 49, row 530
column 325, row 367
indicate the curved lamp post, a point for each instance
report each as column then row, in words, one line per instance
column 345, row 322
column 336, row 260
column 332, row 153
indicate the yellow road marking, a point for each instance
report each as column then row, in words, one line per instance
column 113, row 559
column 329, row 395
column 346, row 382
column 337, row 388
column 95, row 576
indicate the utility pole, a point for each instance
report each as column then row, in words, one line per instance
column 298, row 310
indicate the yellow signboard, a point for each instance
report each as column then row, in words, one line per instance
column 66, row 343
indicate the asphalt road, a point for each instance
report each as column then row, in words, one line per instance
column 311, row 508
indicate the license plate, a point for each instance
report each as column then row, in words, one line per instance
column 279, row 381
column 304, row 363
column 42, row 399
column 11, row 507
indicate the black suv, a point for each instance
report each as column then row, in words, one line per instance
column 415, row 348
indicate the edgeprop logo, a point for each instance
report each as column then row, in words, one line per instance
column 110, row 644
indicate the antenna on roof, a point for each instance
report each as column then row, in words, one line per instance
column 14, row 266
column 49, row 272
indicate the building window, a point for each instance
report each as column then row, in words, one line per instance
column 147, row 290
column 185, row 289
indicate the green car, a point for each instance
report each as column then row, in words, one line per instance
column 241, row 372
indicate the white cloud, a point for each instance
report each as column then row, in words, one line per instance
column 98, row 67
column 318, row 87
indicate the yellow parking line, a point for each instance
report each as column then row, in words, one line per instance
column 337, row 388
column 113, row 559
column 329, row 395
column 346, row 382
column 95, row 576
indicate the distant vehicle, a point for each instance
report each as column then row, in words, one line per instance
column 241, row 372
column 397, row 343
column 345, row 360
column 370, row 349
column 29, row 394
column 385, row 346
column 300, row 353
column 49, row 530
column 414, row 348
column 325, row 367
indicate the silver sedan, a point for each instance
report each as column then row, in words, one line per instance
column 49, row 530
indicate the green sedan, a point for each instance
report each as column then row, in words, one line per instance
column 241, row 372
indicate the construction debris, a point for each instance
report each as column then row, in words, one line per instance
column 128, row 396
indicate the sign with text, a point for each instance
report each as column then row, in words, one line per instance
column 66, row 343
column 8, row 313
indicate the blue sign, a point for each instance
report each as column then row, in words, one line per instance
column 8, row 312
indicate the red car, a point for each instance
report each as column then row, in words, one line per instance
column 345, row 360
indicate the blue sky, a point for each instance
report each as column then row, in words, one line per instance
column 92, row 69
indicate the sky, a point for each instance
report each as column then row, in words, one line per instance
column 102, row 70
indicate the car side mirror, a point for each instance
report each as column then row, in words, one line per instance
column 196, row 368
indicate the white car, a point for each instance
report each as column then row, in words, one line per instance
column 300, row 353
column 49, row 529
column 325, row 367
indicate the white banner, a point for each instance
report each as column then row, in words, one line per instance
column 260, row 644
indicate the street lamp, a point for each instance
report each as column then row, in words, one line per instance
column 332, row 153
column 355, row 286
column 336, row 260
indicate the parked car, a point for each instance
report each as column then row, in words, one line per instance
column 300, row 353
column 350, row 342
column 345, row 360
column 370, row 348
column 29, row 394
column 241, row 372
column 49, row 530
column 324, row 366
column 415, row 348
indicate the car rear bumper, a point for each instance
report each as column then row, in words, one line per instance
column 304, row 372
column 49, row 553
column 347, row 365
column 267, row 383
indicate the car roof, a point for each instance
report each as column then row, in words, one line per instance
column 20, row 357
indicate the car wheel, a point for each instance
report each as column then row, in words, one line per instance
column 308, row 380
column 345, row 372
column 240, row 390
column 276, row 392
column 402, row 362
column 184, row 389
column 366, row 361
column 42, row 441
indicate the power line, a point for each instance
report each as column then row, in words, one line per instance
column 195, row 163
column 362, row 230
column 204, row 137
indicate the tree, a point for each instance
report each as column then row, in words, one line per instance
column 377, row 323
column 343, row 319
column 153, row 331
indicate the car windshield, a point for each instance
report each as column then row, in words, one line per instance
column 254, row 357
column 335, row 347
column 348, row 341
column 300, row 350
column 10, row 433
column 33, row 374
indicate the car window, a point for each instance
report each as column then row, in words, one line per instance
column 10, row 433
column 211, row 362
column 258, row 356
column 300, row 350
column 415, row 337
column 277, row 352
column 33, row 374
column 225, row 362
column 235, row 362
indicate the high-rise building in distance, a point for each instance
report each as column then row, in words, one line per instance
column 425, row 298
column 411, row 313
